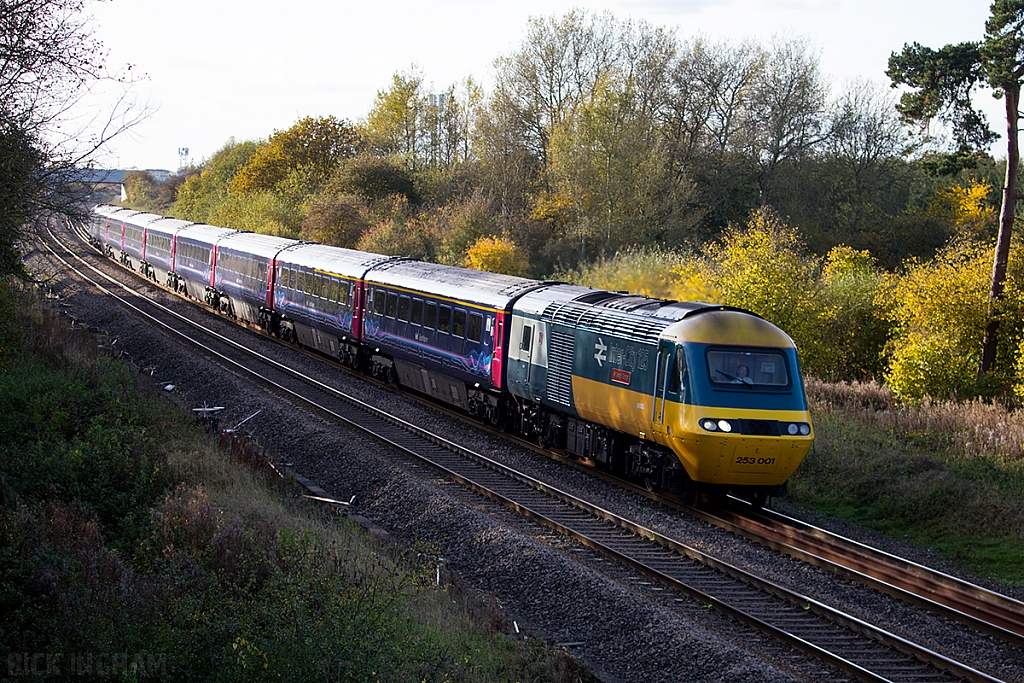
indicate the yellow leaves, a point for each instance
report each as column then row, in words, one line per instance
column 555, row 209
column 939, row 310
column 497, row 255
column 312, row 149
column 967, row 208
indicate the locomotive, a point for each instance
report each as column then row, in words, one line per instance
column 682, row 396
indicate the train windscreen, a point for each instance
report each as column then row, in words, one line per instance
column 754, row 367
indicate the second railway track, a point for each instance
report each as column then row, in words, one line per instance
column 844, row 641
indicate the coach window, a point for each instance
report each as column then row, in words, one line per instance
column 379, row 296
column 476, row 327
column 444, row 319
column 300, row 281
column 459, row 323
column 343, row 293
column 333, row 294
column 417, row 312
column 392, row 305
column 430, row 315
column 403, row 308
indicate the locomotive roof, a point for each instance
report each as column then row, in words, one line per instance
column 256, row 244
column 725, row 325
column 645, row 319
column 538, row 300
column 344, row 262
column 451, row 282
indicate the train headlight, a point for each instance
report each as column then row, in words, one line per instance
column 709, row 425
column 724, row 426
column 805, row 429
column 793, row 429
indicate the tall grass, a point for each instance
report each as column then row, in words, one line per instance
column 974, row 428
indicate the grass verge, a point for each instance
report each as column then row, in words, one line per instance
column 132, row 547
column 949, row 477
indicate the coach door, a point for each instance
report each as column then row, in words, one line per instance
column 663, row 360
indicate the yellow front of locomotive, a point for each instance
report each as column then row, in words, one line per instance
column 730, row 400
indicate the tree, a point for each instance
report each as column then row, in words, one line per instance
column 309, row 152
column 787, row 109
column 141, row 189
column 394, row 125
column 48, row 61
column 559, row 65
column 201, row 194
column 942, row 82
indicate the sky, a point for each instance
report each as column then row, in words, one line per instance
column 210, row 70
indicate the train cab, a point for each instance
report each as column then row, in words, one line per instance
column 729, row 400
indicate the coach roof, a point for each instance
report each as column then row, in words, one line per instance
column 494, row 290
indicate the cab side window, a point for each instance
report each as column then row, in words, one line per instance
column 675, row 378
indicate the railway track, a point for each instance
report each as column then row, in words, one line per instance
column 951, row 597
column 850, row 644
column 977, row 607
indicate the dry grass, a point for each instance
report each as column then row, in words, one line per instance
column 970, row 429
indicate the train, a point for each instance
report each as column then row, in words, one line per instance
column 691, row 398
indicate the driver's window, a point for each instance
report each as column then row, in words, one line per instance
column 675, row 380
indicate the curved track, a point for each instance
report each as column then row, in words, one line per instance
column 853, row 645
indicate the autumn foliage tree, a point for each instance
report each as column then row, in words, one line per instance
column 942, row 82
column 308, row 152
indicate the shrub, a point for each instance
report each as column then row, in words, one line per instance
column 938, row 311
column 497, row 255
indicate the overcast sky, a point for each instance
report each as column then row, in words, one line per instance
column 216, row 69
